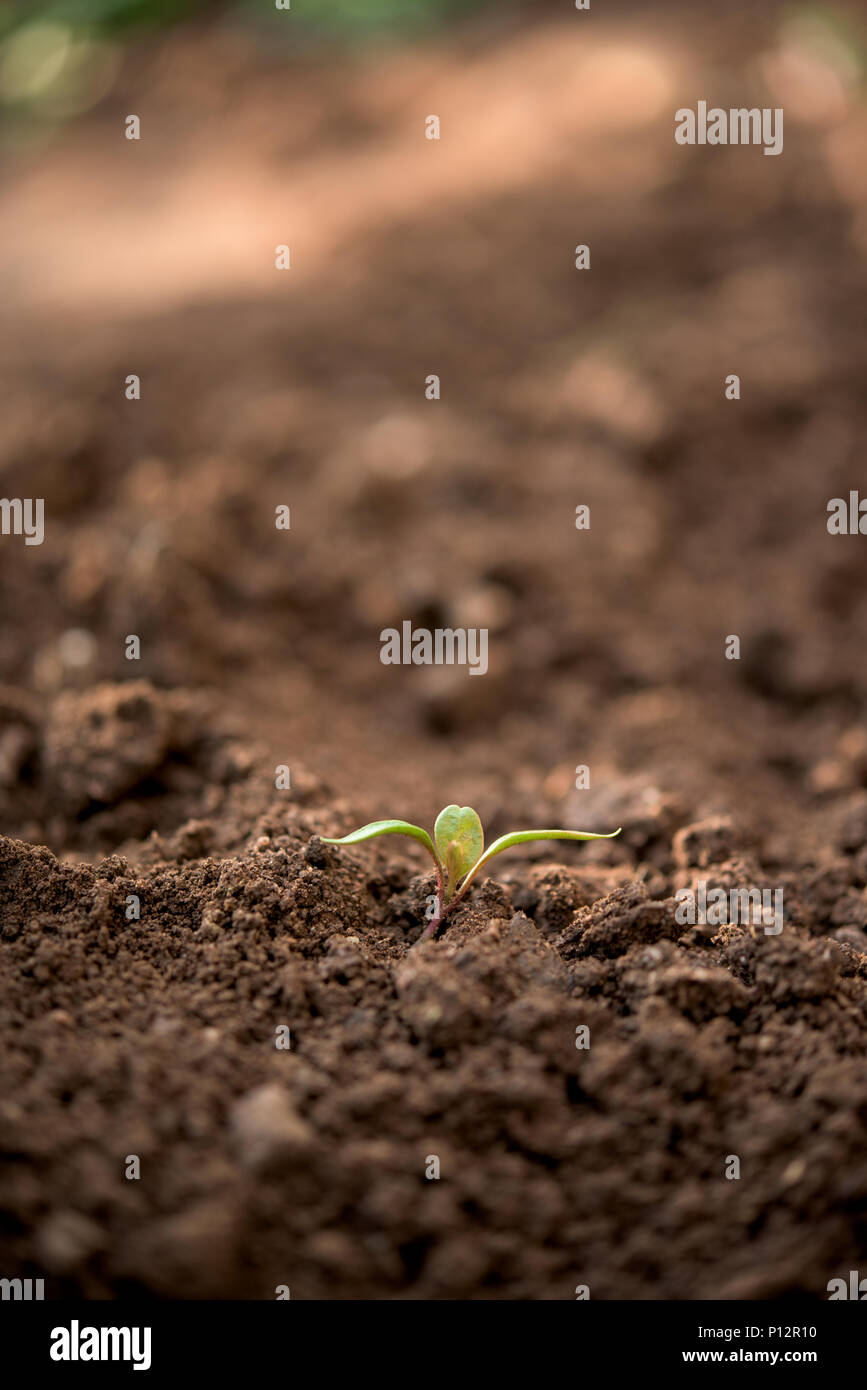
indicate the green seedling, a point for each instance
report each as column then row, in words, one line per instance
column 457, row 850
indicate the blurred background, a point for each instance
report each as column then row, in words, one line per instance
column 454, row 257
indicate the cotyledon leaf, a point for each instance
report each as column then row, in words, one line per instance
column 387, row 827
column 520, row 837
column 459, row 840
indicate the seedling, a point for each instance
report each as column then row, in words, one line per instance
column 457, row 850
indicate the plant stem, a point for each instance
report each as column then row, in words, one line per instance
column 434, row 925
column 431, row 929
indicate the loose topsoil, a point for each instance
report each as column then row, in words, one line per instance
column 190, row 978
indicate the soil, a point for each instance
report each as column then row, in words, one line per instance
column 148, row 786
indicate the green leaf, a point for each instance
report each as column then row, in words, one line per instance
column 521, row 837
column 387, row 827
column 459, row 840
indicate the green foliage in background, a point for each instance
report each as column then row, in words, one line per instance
column 340, row 17
column 96, row 16
column 59, row 58
column 359, row 17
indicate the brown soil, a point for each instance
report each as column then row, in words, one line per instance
column 306, row 1166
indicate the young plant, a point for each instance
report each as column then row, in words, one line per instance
column 457, row 850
